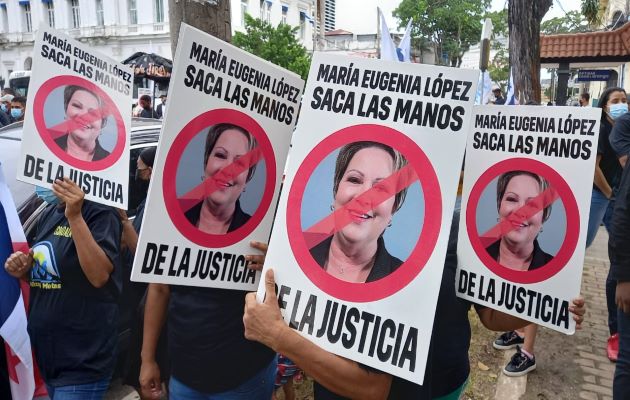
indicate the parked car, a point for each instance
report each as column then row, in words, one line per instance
column 144, row 133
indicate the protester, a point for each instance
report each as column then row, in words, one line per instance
column 18, row 107
column 5, row 109
column 146, row 109
column 8, row 90
column 620, row 138
column 498, row 96
column 619, row 252
column 613, row 103
column 161, row 108
column 585, row 99
column 208, row 350
column 75, row 278
column 337, row 377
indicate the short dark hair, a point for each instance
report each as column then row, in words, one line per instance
column 9, row 90
column 148, row 156
column 19, row 99
column 348, row 151
column 70, row 90
column 585, row 96
column 505, row 178
column 215, row 132
column 146, row 97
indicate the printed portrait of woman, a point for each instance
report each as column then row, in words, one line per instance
column 518, row 247
column 356, row 251
column 85, row 119
column 220, row 211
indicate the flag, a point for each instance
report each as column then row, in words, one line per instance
column 12, row 309
column 510, row 97
column 389, row 51
column 484, row 89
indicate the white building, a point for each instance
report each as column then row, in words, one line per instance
column 119, row 28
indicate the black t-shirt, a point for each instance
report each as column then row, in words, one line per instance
column 206, row 336
column 447, row 363
column 620, row 135
column 72, row 324
column 609, row 163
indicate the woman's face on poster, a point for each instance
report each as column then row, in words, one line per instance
column 519, row 190
column 229, row 147
column 367, row 168
column 84, row 109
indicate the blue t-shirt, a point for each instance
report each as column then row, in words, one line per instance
column 73, row 325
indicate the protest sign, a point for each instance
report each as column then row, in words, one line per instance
column 77, row 119
column 374, row 151
column 525, row 209
column 219, row 165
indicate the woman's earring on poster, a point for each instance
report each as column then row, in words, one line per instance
column 332, row 208
column 541, row 229
column 389, row 224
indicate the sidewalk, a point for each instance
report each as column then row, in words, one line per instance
column 573, row 367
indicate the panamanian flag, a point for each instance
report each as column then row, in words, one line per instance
column 12, row 309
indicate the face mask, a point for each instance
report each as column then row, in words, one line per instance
column 617, row 110
column 16, row 113
column 46, row 194
column 3, row 107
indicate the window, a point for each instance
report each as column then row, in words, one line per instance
column 76, row 14
column 133, row 12
column 265, row 11
column 100, row 18
column 285, row 10
column 243, row 11
column 50, row 12
column 302, row 25
column 159, row 10
column 5, row 17
column 28, row 22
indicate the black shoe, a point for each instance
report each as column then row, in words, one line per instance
column 508, row 340
column 520, row 364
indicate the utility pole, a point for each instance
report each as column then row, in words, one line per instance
column 211, row 16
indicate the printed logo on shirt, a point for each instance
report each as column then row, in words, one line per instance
column 64, row 231
column 45, row 274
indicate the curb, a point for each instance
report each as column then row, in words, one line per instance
column 510, row 388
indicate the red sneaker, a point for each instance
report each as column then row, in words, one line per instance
column 612, row 349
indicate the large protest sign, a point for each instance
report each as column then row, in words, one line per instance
column 361, row 231
column 525, row 209
column 77, row 119
column 219, row 165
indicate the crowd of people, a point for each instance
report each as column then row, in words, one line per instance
column 205, row 343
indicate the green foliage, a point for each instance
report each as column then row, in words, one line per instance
column 277, row 45
column 499, row 68
column 452, row 25
column 591, row 9
column 571, row 22
column 499, row 23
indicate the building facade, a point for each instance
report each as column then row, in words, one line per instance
column 119, row 28
column 329, row 15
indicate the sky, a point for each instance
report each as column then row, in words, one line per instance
column 359, row 16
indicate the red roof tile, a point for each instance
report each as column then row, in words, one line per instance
column 586, row 45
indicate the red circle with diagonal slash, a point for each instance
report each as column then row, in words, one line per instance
column 401, row 277
column 175, row 152
column 40, row 123
column 572, row 220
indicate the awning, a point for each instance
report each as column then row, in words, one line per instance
column 24, row 2
column 269, row 2
column 47, row 1
column 285, row 8
column 3, row 5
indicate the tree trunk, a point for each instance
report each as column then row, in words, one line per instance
column 524, row 23
column 212, row 16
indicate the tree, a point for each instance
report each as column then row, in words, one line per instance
column 277, row 45
column 212, row 16
column 524, row 23
column 571, row 22
column 452, row 25
column 592, row 11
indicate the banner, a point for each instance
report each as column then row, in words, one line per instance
column 361, row 231
column 219, row 165
column 525, row 209
column 77, row 119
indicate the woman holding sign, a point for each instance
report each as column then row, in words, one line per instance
column 518, row 249
column 86, row 118
column 356, row 251
column 220, row 211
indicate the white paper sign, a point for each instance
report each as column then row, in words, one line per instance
column 219, row 165
column 77, row 120
column 374, row 151
column 525, row 208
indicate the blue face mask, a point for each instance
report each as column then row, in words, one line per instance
column 617, row 110
column 3, row 107
column 46, row 194
column 16, row 113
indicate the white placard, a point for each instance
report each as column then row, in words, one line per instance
column 525, row 209
column 219, row 165
column 77, row 120
column 389, row 126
